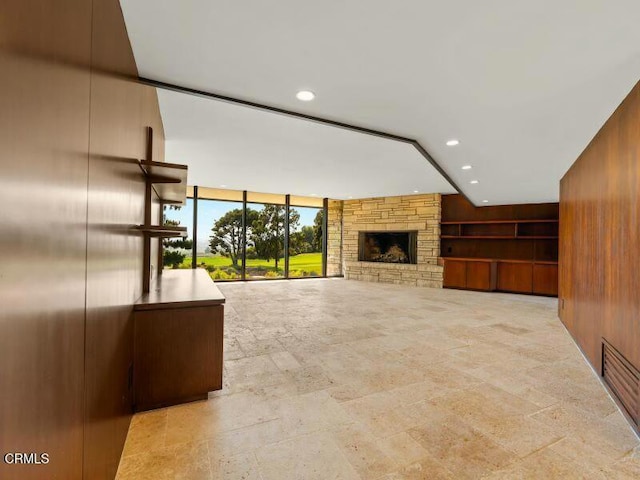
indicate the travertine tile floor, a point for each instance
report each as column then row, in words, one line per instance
column 337, row 379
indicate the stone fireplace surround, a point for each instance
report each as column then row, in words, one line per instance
column 419, row 213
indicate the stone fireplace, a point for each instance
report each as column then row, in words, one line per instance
column 387, row 247
column 392, row 240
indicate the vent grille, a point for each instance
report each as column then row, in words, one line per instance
column 623, row 379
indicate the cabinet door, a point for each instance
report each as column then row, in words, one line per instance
column 545, row 279
column 455, row 274
column 515, row 277
column 481, row 275
column 178, row 355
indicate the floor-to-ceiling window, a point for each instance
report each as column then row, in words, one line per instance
column 266, row 227
column 177, row 252
column 305, row 241
column 248, row 236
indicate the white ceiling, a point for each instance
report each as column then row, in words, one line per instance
column 523, row 85
column 247, row 149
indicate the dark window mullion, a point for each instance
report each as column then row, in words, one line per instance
column 325, row 223
column 194, row 240
column 244, row 235
column 286, row 235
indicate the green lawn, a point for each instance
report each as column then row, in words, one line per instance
column 304, row 264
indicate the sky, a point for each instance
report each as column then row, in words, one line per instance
column 210, row 210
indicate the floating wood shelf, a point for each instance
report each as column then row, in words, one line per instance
column 162, row 231
column 484, row 222
column 502, row 237
column 169, row 180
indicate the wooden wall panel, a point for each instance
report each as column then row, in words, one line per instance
column 44, row 133
column 599, row 231
column 121, row 109
column 456, row 208
column 72, row 125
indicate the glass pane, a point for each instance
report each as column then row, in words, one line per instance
column 177, row 251
column 305, row 242
column 265, row 241
column 219, row 245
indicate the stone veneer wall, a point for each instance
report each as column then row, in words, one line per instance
column 334, row 238
column 411, row 212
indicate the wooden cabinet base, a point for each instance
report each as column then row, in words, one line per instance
column 514, row 276
column 470, row 274
column 178, row 355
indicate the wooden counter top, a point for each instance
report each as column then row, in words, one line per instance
column 181, row 288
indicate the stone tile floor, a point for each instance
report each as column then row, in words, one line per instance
column 338, row 379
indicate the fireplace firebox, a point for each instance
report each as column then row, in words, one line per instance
column 387, row 247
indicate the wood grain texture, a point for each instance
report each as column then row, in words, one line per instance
column 121, row 109
column 457, row 208
column 529, row 242
column 178, row 355
column 599, row 231
column 515, row 277
column 72, row 123
column 481, row 275
column 455, row 274
column 44, row 132
column 545, row 279
column 180, row 288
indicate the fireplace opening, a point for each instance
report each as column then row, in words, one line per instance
column 387, row 247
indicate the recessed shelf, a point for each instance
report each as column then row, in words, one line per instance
column 162, row 230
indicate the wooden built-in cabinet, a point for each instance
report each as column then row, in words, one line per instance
column 516, row 276
column 472, row 274
column 511, row 248
column 178, row 335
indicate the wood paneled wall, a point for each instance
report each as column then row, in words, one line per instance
column 456, row 208
column 599, row 232
column 72, row 122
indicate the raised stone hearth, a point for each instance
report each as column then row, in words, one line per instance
column 411, row 213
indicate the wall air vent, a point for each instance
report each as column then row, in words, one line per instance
column 623, row 379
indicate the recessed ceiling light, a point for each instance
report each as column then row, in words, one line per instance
column 350, row 197
column 314, row 194
column 474, row 181
column 453, row 142
column 485, row 201
column 305, row 95
column 467, row 167
column 416, row 191
column 223, row 186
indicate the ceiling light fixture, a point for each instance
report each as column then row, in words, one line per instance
column 467, row 167
column 305, row 95
column 223, row 186
column 453, row 142
column 485, row 201
column 474, row 182
column 416, row 191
